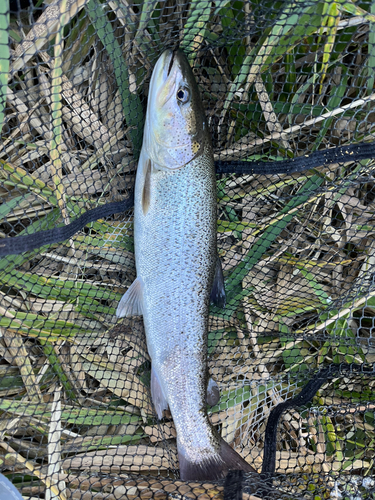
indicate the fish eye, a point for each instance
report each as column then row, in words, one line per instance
column 183, row 95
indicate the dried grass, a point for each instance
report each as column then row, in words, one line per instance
column 307, row 240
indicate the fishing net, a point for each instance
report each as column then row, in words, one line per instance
column 279, row 81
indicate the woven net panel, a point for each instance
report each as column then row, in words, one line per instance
column 278, row 80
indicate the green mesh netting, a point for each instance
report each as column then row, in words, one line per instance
column 278, row 80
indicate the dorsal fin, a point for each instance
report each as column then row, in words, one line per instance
column 218, row 291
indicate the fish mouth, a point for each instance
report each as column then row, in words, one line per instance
column 171, row 61
column 167, row 60
column 165, row 77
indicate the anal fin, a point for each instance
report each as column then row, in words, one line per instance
column 213, row 393
column 157, row 394
column 131, row 303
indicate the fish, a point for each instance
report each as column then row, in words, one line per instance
column 178, row 270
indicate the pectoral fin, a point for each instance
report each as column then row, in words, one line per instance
column 131, row 303
column 146, row 194
column 218, row 291
column 157, row 394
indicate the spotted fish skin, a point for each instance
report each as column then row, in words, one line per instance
column 175, row 248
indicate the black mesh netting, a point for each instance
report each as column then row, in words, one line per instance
column 278, row 80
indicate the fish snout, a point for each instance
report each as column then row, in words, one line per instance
column 164, row 65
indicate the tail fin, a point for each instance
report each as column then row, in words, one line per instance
column 211, row 467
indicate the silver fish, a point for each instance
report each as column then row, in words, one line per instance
column 176, row 258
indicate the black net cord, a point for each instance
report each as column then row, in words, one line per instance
column 21, row 244
column 354, row 152
column 304, row 397
column 233, row 484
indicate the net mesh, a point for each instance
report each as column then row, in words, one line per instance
column 278, row 80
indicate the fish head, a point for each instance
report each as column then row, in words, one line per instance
column 175, row 128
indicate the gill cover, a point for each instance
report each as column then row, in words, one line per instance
column 175, row 128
